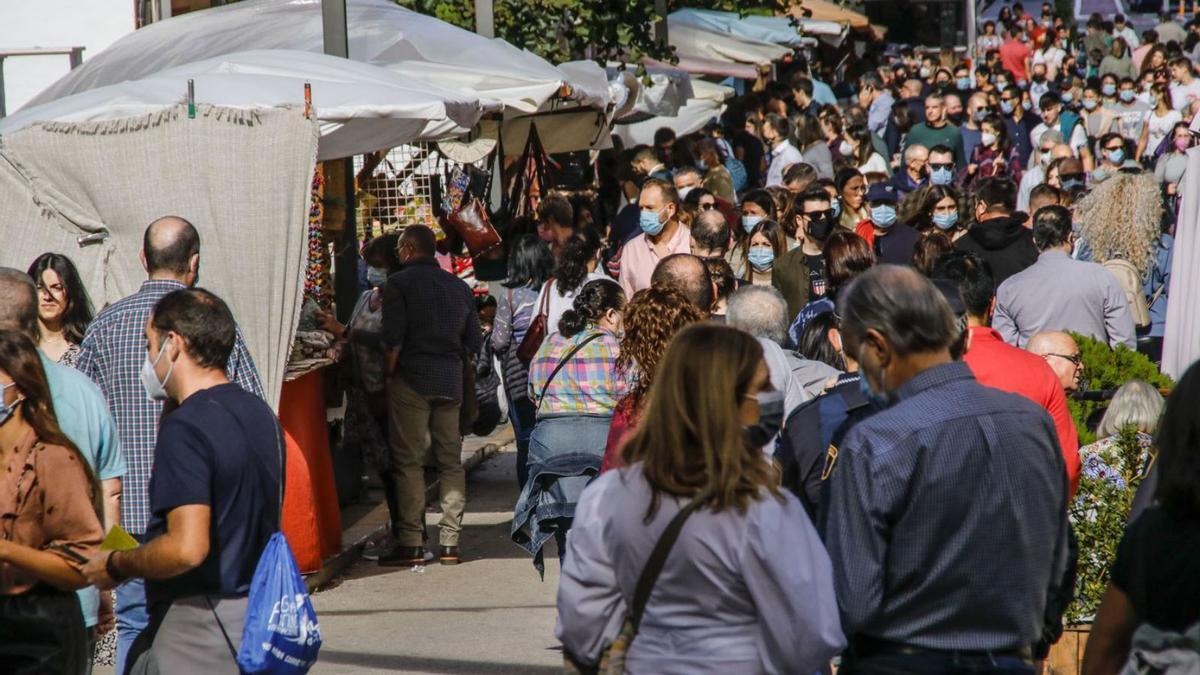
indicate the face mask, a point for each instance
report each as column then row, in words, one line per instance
column 1115, row 156
column 650, row 222
column 836, row 205
column 1182, row 144
column 1026, row 105
column 820, row 228
column 1153, row 100
column 376, row 276
column 1038, row 79
column 845, row 148
column 761, row 258
column 945, row 221
column 924, row 72
column 1001, row 84
column 942, row 84
column 683, row 191
column 955, row 118
column 770, row 419
column 155, row 390
column 883, row 215
column 6, row 411
column 1067, row 96
column 1045, row 157
column 878, row 399
column 987, row 138
column 1089, row 104
column 749, row 222
column 1007, row 107
column 1108, row 89
column 978, row 115
column 963, row 83
column 1072, row 183
column 1127, row 95
column 941, row 177
column 702, row 165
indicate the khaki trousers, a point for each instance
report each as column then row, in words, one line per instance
column 412, row 419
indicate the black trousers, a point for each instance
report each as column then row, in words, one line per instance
column 42, row 631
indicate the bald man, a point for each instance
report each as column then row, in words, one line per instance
column 1060, row 351
column 1049, row 148
column 686, row 273
column 112, row 354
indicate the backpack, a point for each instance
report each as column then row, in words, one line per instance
column 1164, row 652
column 737, row 171
column 1131, row 282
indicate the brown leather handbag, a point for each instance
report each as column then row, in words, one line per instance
column 472, row 223
column 537, row 328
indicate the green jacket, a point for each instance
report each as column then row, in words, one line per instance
column 790, row 276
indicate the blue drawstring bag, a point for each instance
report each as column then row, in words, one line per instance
column 280, row 634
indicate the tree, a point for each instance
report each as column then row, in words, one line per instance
column 564, row 30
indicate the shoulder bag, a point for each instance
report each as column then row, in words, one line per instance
column 562, row 362
column 537, row 328
column 612, row 658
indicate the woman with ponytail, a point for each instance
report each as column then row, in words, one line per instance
column 49, row 522
column 575, row 386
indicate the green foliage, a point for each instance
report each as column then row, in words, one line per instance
column 1108, row 369
column 1111, row 475
column 564, row 30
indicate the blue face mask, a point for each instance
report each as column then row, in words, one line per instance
column 870, row 394
column 1067, row 97
column 1115, row 156
column 761, row 258
column 963, row 83
column 6, row 411
column 1072, row 183
column 1089, row 104
column 1127, row 95
column 883, row 215
column 946, row 221
column 701, row 165
column 1026, row 105
column 376, row 276
column 749, row 222
column 1007, row 107
column 941, row 177
column 1108, row 89
column 650, row 222
column 836, row 205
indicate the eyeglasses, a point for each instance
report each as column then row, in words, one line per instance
column 1075, row 359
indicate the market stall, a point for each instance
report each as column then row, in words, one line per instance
column 707, row 103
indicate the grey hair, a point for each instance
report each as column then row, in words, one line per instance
column 760, row 311
column 687, row 170
column 912, row 147
column 902, row 305
column 1137, row 403
column 18, row 302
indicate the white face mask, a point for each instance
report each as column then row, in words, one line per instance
column 683, row 191
column 845, row 148
column 155, row 390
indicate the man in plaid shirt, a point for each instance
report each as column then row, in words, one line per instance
column 113, row 352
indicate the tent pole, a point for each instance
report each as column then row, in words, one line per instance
column 485, row 21
column 345, row 277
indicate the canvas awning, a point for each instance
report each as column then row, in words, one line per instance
column 361, row 108
column 708, row 102
column 825, row 10
column 774, row 29
column 701, row 43
column 669, row 90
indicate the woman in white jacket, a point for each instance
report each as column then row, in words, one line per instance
column 747, row 587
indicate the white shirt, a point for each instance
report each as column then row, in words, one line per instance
column 874, row 164
column 1078, row 139
column 561, row 302
column 1159, row 128
column 782, row 156
column 1130, row 35
column 1182, row 95
column 739, row 593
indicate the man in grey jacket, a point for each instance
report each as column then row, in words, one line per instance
column 1061, row 293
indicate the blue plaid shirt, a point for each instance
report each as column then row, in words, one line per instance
column 113, row 351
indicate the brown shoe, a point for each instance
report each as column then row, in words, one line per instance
column 404, row 556
column 449, row 555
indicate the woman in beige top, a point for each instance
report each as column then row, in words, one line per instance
column 49, row 502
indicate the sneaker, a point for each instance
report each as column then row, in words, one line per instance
column 448, row 555
column 403, row 556
column 379, row 549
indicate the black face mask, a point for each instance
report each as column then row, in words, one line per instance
column 770, row 419
column 819, row 229
column 956, row 118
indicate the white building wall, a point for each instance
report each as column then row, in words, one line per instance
column 93, row 24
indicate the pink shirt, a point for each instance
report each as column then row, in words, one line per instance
column 638, row 259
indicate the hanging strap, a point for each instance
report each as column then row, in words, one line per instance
column 658, row 558
column 221, row 625
column 562, row 362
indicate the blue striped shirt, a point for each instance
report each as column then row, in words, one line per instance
column 947, row 521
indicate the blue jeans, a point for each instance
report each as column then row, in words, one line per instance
column 523, row 415
column 132, row 617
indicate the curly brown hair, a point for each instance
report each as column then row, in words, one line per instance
column 651, row 319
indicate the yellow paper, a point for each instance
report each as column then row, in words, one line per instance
column 118, row 539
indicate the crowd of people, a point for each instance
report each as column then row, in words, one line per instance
column 788, row 389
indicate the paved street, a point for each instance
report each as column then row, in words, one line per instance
column 490, row 614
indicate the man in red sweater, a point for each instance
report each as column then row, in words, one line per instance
column 997, row 364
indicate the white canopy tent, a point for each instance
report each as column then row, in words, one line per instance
column 416, row 46
column 774, row 29
column 707, row 103
column 668, row 90
column 691, row 42
column 361, row 108
column 1181, row 339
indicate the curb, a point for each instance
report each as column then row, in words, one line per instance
column 334, row 566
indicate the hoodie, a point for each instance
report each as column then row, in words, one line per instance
column 1004, row 242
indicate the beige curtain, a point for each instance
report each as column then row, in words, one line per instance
column 88, row 190
column 1181, row 341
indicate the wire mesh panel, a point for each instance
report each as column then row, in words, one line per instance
column 399, row 190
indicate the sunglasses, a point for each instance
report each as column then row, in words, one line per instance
column 811, row 215
column 1075, row 359
column 707, row 206
column 941, row 166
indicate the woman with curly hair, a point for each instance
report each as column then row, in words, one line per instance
column 652, row 318
column 1121, row 218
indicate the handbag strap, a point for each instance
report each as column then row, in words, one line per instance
column 548, row 288
column 658, row 558
column 221, row 625
column 562, row 362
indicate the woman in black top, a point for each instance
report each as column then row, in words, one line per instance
column 1156, row 576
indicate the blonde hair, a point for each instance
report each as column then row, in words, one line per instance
column 1137, row 403
column 1121, row 218
column 690, row 441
